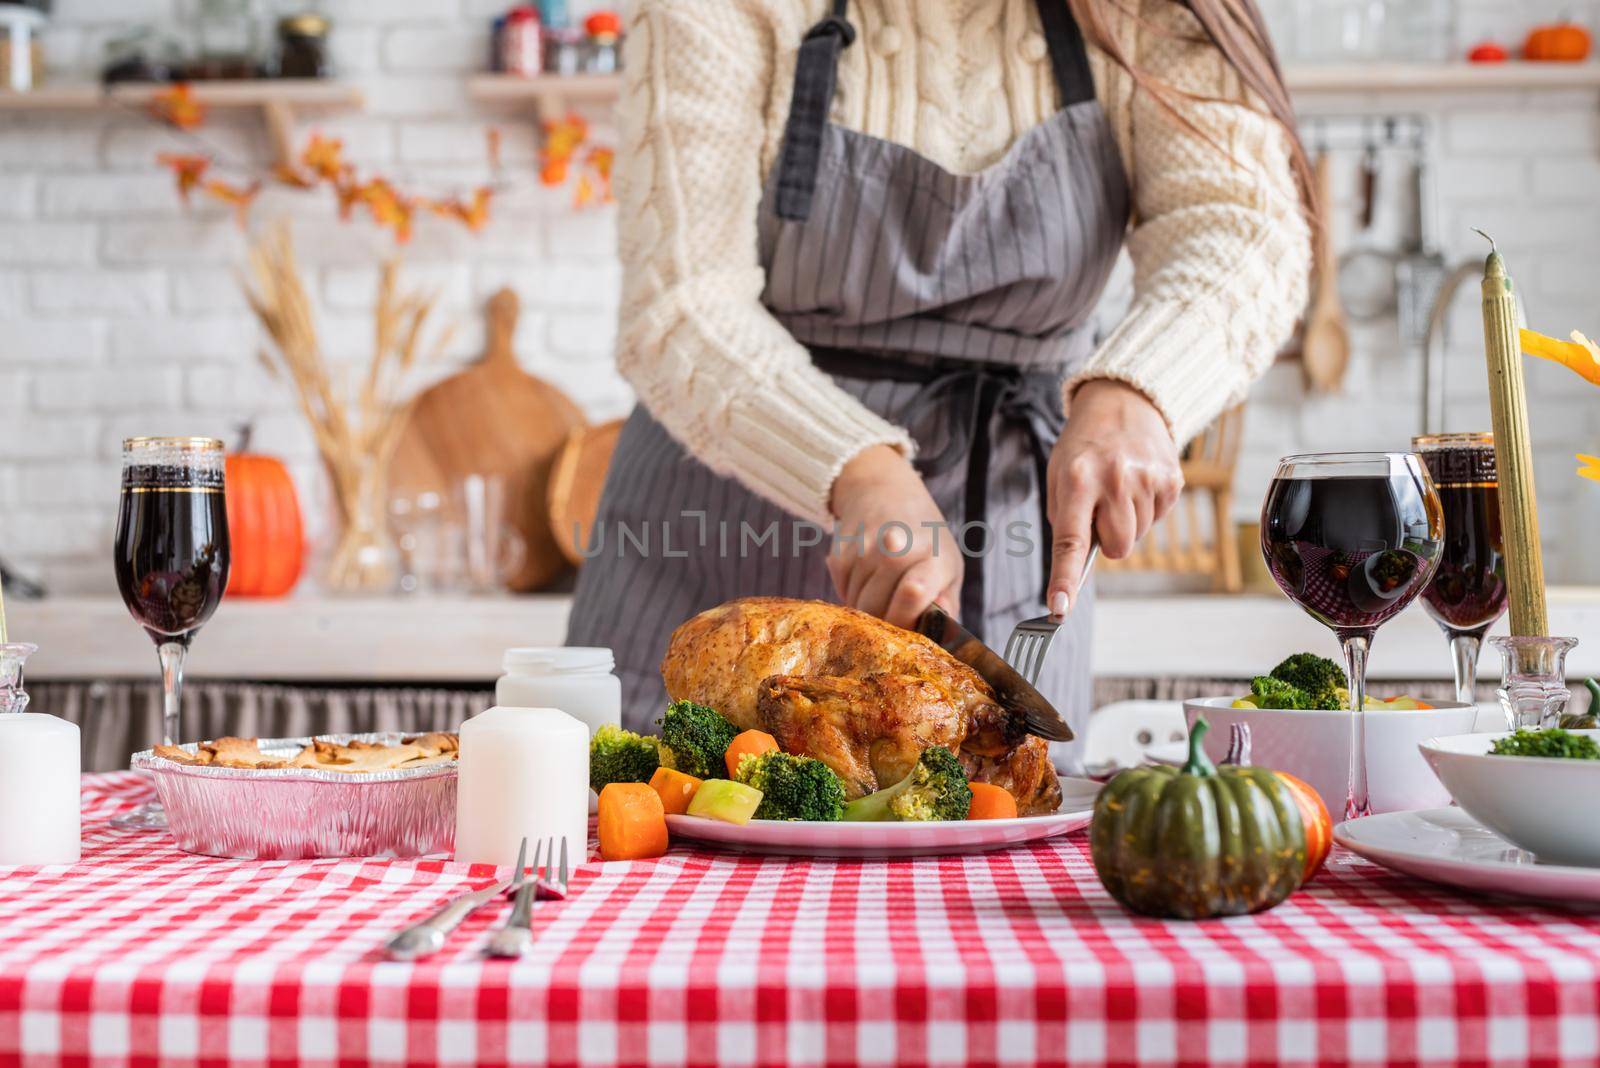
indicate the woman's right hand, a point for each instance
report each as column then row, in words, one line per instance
column 905, row 558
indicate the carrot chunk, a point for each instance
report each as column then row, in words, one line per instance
column 748, row 743
column 675, row 788
column 991, row 802
column 633, row 822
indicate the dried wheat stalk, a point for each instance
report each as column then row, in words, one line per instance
column 356, row 435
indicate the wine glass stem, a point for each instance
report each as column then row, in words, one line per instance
column 1357, row 803
column 172, row 655
column 1464, row 646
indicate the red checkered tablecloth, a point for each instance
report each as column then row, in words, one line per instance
column 144, row 954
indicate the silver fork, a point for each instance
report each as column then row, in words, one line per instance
column 1031, row 639
column 427, row 937
column 548, row 884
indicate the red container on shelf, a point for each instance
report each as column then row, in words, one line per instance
column 521, row 42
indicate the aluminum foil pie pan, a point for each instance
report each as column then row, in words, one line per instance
column 299, row 813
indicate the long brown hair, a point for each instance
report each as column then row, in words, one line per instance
column 1240, row 34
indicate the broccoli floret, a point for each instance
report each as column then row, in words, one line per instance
column 697, row 738
column 1551, row 742
column 1319, row 678
column 793, row 787
column 1275, row 693
column 616, row 755
column 936, row 789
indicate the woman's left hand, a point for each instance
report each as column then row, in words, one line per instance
column 1113, row 473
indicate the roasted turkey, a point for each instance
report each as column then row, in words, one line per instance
column 861, row 695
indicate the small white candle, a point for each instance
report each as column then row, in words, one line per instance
column 524, row 773
column 39, row 781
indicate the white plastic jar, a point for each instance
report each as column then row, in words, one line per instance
column 575, row 679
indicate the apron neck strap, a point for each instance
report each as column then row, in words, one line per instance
column 1069, row 58
column 816, row 70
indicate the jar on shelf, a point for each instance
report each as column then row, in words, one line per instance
column 604, row 52
column 21, row 50
column 521, row 42
column 228, row 45
column 564, row 49
column 303, row 46
column 141, row 55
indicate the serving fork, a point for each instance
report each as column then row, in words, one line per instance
column 427, row 936
column 1031, row 639
column 548, row 884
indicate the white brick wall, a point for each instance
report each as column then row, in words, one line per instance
column 119, row 313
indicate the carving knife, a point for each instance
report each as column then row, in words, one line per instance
column 1014, row 692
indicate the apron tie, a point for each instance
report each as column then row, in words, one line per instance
column 976, row 393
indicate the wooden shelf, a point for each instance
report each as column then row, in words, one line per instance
column 550, row 94
column 250, row 93
column 278, row 99
column 1311, row 78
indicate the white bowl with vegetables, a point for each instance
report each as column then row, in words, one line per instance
column 1539, row 790
column 1313, row 743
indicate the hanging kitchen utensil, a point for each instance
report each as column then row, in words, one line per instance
column 1369, row 183
column 576, row 479
column 493, row 418
column 1325, row 350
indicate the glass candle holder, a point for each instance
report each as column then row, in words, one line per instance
column 13, row 698
column 1533, row 679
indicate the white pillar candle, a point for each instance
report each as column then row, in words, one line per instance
column 524, row 772
column 39, row 783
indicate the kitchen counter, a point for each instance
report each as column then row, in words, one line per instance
column 460, row 639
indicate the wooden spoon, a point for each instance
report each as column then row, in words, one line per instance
column 1325, row 349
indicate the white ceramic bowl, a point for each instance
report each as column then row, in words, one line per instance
column 1546, row 806
column 1315, row 746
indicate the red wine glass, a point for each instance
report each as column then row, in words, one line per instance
column 1352, row 538
column 171, row 561
column 1468, row 592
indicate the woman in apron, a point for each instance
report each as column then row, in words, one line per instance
column 862, row 245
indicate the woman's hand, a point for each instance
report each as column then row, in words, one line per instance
column 1113, row 473
column 905, row 557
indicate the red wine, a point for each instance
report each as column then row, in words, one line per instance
column 1352, row 551
column 1468, row 592
column 172, row 548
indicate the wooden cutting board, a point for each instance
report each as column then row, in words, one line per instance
column 493, row 418
column 576, row 480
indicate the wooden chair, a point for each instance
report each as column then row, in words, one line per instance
column 1186, row 541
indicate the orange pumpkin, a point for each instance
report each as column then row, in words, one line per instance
column 264, row 529
column 1318, row 824
column 1561, row 42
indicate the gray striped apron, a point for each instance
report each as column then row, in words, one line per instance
column 950, row 304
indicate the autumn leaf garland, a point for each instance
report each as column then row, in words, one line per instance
column 567, row 154
column 320, row 163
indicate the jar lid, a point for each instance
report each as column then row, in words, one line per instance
column 603, row 24
column 305, row 24
column 573, row 658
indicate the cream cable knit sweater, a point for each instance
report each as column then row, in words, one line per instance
column 1221, row 254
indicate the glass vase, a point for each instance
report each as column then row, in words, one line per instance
column 365, row 557
column 13, row 698
column 1533, row 680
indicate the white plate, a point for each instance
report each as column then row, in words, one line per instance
column 892, row 839
column 1445, row 845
